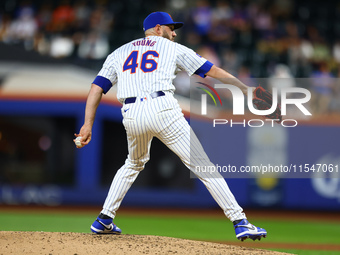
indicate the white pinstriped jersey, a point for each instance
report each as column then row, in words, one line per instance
column 139, row 68
column 147, row 65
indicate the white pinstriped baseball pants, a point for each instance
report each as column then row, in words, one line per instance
column 162, row 117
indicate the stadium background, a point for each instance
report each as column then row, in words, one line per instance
column 51, row 52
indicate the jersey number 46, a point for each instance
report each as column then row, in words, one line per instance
column 147, row 65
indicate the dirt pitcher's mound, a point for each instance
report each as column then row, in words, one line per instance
column 81, row 243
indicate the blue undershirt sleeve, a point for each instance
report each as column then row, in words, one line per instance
column 103, row 82
column 204, row 69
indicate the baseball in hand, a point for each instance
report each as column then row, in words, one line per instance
column 78, row 142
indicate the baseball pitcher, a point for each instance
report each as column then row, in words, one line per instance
column 143, row 71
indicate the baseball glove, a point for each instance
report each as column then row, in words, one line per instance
column 263, row 100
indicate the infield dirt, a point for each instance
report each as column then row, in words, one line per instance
column 83, row 243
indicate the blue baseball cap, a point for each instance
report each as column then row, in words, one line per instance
column 161, row 18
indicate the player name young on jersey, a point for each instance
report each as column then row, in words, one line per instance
column 144, row 42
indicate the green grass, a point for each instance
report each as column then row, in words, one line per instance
column 306, row 231
column 44, row 222
column 182, row 227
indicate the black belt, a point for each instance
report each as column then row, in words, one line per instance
column 131, row 100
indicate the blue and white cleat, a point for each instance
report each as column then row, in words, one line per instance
column 244, row 230
column 105, row 226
